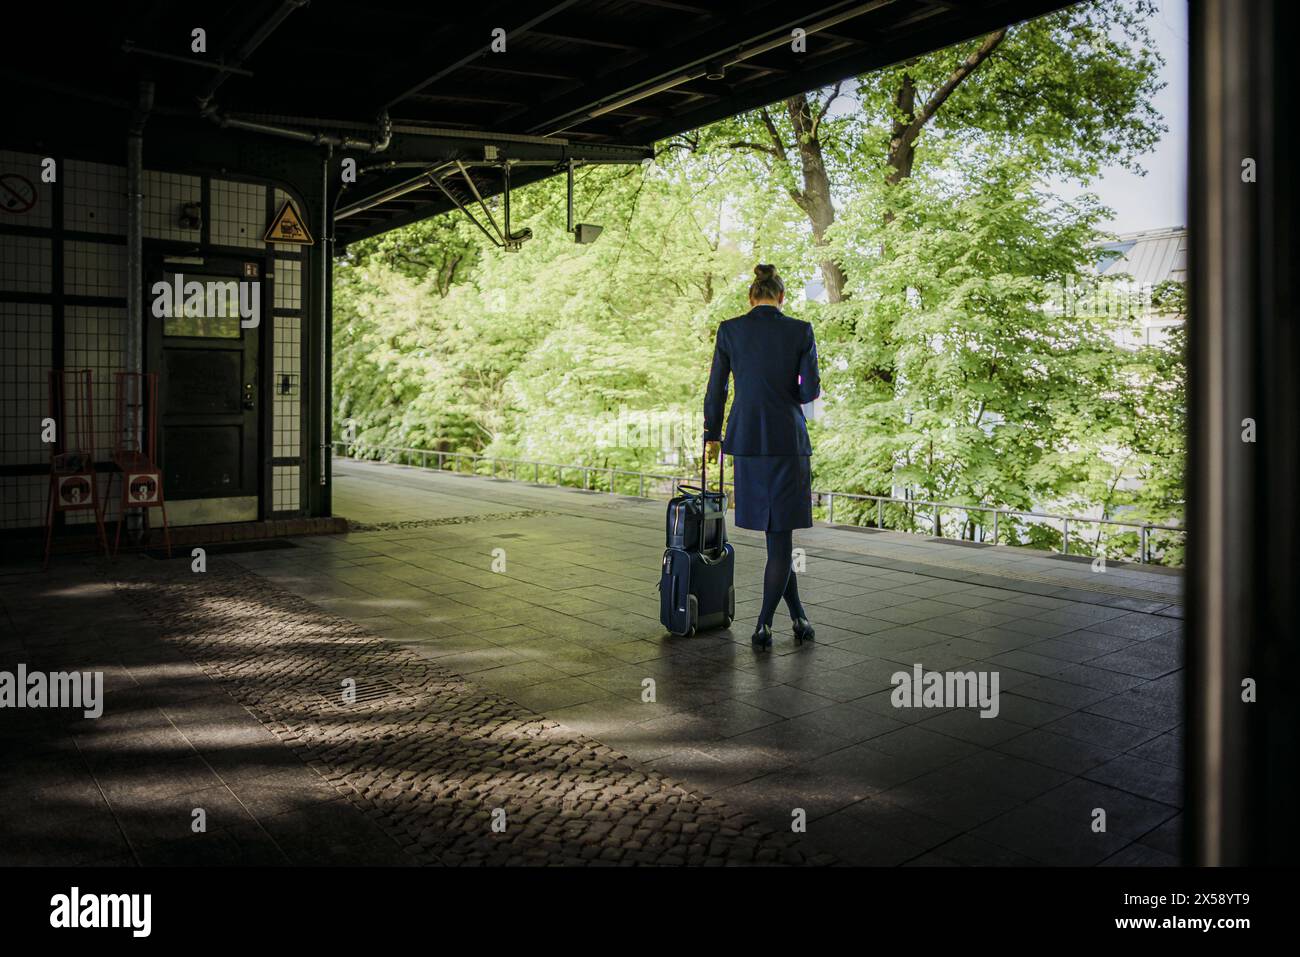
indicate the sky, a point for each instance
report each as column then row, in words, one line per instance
column 1158, row 199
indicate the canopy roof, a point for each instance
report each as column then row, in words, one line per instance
column 588, row 80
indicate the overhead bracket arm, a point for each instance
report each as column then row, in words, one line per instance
column 437, row 181
column 570, row 192
column 581, row 232
column 501, row 238
column 513, row 239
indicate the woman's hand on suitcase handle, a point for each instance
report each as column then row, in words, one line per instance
column 712, row 449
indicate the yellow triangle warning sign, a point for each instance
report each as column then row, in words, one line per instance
column 288, row 227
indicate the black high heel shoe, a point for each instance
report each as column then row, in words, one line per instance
column 803, row 630
column 762, row 637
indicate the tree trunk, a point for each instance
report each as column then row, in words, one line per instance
column 815, row 198
column 911, row 118
column 909, row 121
column 902, row 148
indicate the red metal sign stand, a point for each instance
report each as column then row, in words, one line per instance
column 136, row 436
column 73, row 485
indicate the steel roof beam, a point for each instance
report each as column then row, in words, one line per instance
column 409, row 157
column 918, row 38
column 693, row 9
column 587, row 39
column 671, row 58
column 479, row 47
column 535, row 69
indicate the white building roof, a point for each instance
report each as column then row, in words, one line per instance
column 1149, row 257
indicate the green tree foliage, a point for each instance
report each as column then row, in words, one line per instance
column 1067, row 93
column 990, row 391
column 919, row 192
column 545, row 352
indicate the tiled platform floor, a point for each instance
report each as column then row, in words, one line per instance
column 1089, row 666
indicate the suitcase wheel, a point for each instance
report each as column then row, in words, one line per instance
column 726, row 621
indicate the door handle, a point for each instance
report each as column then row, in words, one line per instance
column 249, row 403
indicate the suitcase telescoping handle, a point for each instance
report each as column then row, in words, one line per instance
column 704, row 486
column 704, row 466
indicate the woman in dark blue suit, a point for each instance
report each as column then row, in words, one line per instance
column 774, row 361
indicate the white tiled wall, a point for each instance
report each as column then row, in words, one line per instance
column 25, row 343
column 94, row 197
column 94, row 269
column 165, row 196
column 95, row 201
column 287, row 431
column 286, row 483
column 238, row 214
column 25, row 263
column 288, row 284
column 23, row 500
column 288, row 360
column 93, row 338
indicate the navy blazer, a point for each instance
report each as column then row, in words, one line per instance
column 774, row 360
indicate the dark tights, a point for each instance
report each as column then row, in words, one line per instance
column 779, row 578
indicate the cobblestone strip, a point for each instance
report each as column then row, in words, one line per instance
column 354, row 526
column 432, row 760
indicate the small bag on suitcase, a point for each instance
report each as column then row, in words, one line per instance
column 696, row 582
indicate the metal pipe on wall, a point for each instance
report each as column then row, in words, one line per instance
column 208, row 106
column 569, row 194
column 323, row 372
column 133, row 360
column 376, row 144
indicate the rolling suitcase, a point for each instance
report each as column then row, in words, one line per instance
column 696, row 582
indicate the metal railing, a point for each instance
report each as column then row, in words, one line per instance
column 913, row 507
column 1144, row 529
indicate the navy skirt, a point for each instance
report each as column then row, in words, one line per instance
column 773, row 492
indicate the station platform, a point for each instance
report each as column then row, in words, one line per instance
column 501, row 716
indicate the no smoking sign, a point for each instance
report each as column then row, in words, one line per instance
column 17, row 194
